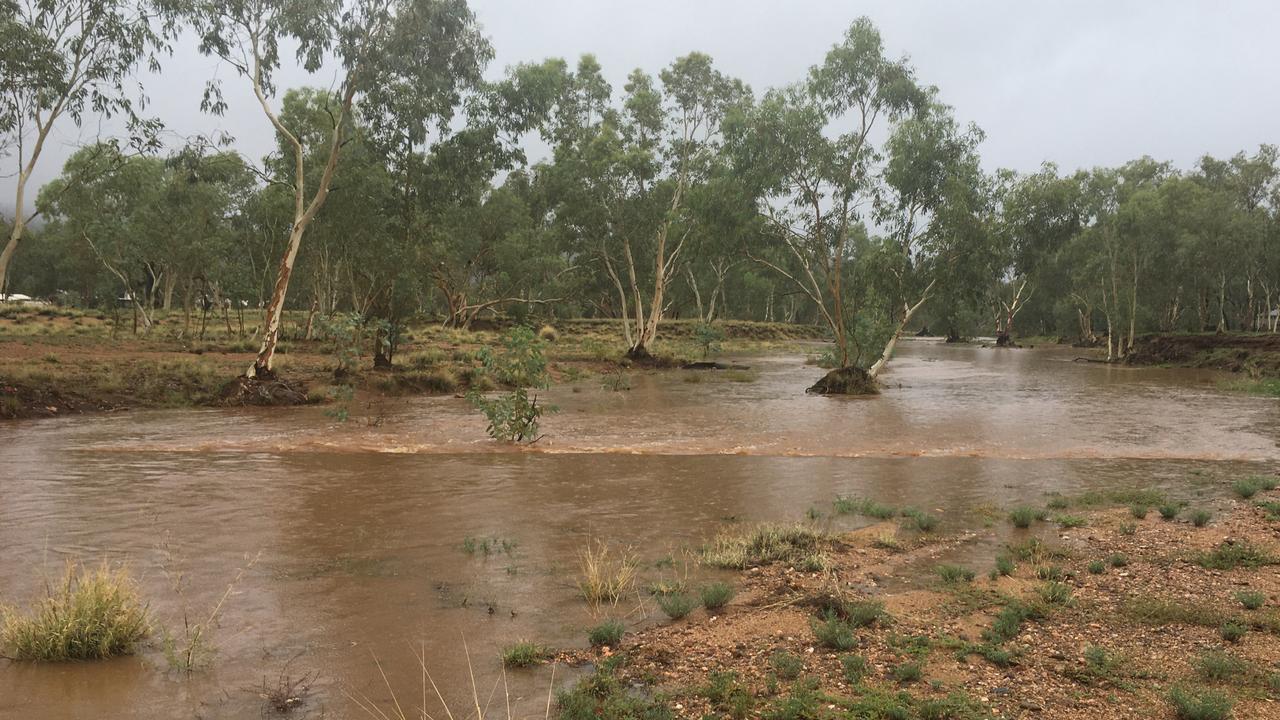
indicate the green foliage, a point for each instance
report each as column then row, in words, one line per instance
column 786, row 665
column 1250, row 599
column 1055, row 593
column 1128, row 529
column 834, row 632
column 87, row 615
column 1232, row 632
column 708, row 337
column 716, row 595
column 1022, row 517
column 1220, row 666
column 602, row 696
column 727, row 695
column 1201, row 517
column 520, row 364
column 1097, row 567
column 524, row 654
column 740, row 549
column 1070, row 521
column 1234, row 554
column 1170, row 510
column 608, row 633
column 1190, row 704
column 855, row 668
column 677, row 605
column 1249, row 486
column 864, row 506
column 1139, row 511
column 908, row 672
column 954, row 573
column 921, row 520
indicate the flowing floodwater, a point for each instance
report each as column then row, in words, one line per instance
column 348, row 538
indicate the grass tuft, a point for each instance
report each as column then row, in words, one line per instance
column 605, row 575
column 738, row 549
column 87, row 615
column 677, row 605
column 1251, row 599
column 954, row 573
column 524, row 654
column 608, row 633
column 1200, row 704
column 716, row 595
column 1231, row 555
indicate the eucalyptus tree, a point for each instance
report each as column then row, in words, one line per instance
column 624, row 175
column 69, row 59
column 402, row 58
column 811, row 148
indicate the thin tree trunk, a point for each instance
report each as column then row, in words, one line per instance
column 908, row 312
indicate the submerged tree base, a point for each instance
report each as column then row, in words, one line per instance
column 845, row 381
column 264, row 391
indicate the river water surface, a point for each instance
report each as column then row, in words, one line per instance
column 348, row 539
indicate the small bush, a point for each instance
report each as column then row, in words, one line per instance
column 1097, row 567
column 1232, row 632
column 1200, row 704
column 1246, row 487
column 863, row 506
column 762, row 545
column 1004, row 565
column 602, row 696
column 1139, row 512
column 1201, row 517
column 1055, row 593
column 922, row 521
column 1070, row 521
column 1231, row 555
column 524, row 654
column 87, row 615
column 1219, row 666
column 954, row 573
column 908, row 672
column 855, row 668
column 607, row 633
column 785, row 665
column 1058, row 502
column 727, row 695
column 834, row 632
column 676, row 605
column 1251, row 599
column 1118, row 560
column 1022, row 517
column 716, row 595
column 1169, row 511
column 1050, row 572
column 1128, row 528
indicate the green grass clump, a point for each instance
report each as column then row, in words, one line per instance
column 1271, row 508
column 716, row 595
column 786, row 665
column 834, row 632
column 677, row 605
column 855, row 668
column 1118, row 560
column 863, row 506
column 1200, row 517
column 1251, row 599
column 922, row 521
column 1055, row 593
column 602, row 696
column 727, row 695
column 1232, row 632
column 1058, row 502
column 1200, row 704
column 1169, row 511
column 1219, row 666
column 1009, row 620
column 908, row 672
column 1022, row 517
column 1231, row 555
column 954, row 573
column 1097, row 567
column 1050, row 572
column 87, row 615
column 1128, row 528
column 1252, row 485
column 1004, row 565
column 765, row 544
column 1070, row 521
column 524, row 654
column 1138, row 511
column 607, row 633
column 1164, row 611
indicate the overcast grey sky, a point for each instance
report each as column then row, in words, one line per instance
column 1083, row 83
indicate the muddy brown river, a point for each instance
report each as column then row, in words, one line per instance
column 349, row 539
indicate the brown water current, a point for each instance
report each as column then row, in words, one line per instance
column 352, row 535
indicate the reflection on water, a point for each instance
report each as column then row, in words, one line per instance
column 358, row 530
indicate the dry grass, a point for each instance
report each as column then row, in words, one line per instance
column 605, row 575
column 743, row 548
column 87, row 615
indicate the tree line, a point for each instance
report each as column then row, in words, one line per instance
column 853, row 198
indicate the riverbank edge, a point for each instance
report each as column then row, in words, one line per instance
column 1092, row 613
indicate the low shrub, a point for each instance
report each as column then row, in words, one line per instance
column 834, row 632
column 762, row 545
column 1201, row 517
column 607, row 633
column 1004, row 565
column 676, row 605
column 524, row 654
column 1251, row 599
column 785, row 665
column 908, row 672
column 1022, row 517
column 1200, row 704
column 716, row 595
column 954, row 573
column 1231, row 555
column 1232, row 632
